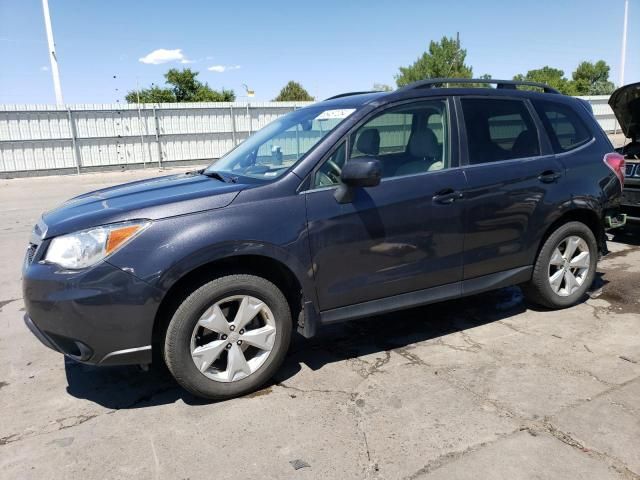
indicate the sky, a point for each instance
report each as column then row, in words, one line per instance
column 106, row 48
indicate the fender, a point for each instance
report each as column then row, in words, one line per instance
column 169, row 250
column 238, row 249
column 583, row 203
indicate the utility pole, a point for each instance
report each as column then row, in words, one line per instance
column 52, row 53
column 624, row 42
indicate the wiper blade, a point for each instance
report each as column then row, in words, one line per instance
column 215, row 175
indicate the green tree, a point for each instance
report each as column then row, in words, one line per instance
column 444, row 59
column 153, row 94
column 592, row 79
column 553, row 77
column 485, row 76
column 183, row 86
column 293, row 92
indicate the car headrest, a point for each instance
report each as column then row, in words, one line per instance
column 369, row 142
column 424, row 144
column 526, row 145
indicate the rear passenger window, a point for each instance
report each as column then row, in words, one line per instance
column 499, row 130
column 565, row 128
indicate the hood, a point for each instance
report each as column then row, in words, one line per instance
column 625, row 103
column 152, row 199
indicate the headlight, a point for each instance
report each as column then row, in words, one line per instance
column 87, row 247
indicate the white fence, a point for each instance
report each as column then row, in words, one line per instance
column 78, row 137
column 39, row 138
column 603, row 112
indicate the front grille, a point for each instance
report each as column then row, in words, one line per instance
column 37, row 234
column 31, row 252
column 629, row 169
column 632, row 170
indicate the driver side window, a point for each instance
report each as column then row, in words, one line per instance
column 408, row 140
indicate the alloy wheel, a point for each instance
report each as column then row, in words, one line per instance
column 569, row 265
column 233, row 338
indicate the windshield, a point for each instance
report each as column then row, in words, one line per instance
column 271, row 151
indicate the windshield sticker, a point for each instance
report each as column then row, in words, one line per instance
column 335, row 114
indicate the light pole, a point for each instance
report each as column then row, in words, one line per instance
column 52, row 53
column 624, row 41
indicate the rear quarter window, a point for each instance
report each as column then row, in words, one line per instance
column 564, row 126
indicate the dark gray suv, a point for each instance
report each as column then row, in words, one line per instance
column 361, row 204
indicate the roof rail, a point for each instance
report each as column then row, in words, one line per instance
column 506, row 84
column 352, row 93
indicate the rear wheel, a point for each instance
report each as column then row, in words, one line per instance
column 228, row 337
column 565, row 267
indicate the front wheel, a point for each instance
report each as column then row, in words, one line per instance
column 565, row 267
column 228, row 337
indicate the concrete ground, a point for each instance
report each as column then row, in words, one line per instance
column 487, row 387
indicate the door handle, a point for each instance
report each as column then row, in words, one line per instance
column 549, row 176
column 447, row 196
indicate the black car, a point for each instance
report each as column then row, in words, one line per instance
column 358, row 205
column 625, row 103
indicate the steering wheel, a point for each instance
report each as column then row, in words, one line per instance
column 335, row 171
column 329, row 174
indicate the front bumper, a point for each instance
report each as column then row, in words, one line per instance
column 102, row 315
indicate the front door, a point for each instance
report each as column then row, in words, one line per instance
column 405, row 234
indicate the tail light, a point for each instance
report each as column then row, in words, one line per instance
column 615, row 162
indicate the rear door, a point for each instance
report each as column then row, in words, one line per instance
column 514, row 183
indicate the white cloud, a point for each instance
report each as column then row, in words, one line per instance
column 223, row 68
column 162, row 55
column 44, row 68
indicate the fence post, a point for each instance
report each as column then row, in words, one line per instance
column 249, row 118
column 74, row 143
column 157, row 124
column 233, row 126
column 143, row 144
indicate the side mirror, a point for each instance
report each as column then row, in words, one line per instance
column 358, row 172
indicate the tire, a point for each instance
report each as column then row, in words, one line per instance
column 549, row 267
column 188, row 340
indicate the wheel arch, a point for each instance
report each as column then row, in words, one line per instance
column 270, row 268
column 587, row 216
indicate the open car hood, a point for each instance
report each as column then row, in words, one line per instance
column 625, row 103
